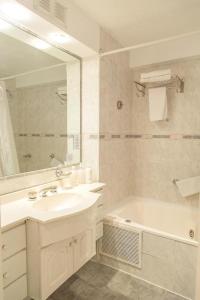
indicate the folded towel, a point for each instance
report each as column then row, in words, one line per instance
column 188, row 187
column 161, row 75
column 157, row 104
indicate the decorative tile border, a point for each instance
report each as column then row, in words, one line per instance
column 188, row 136
column 161, row 136
column 46, row 135
column 133, row 136
column 114, row 136
column 128, row 136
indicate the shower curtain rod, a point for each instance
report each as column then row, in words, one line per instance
column 143, row 45
column 33, row 71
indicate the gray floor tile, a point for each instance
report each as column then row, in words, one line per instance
column 169, row 296
column 98, row 282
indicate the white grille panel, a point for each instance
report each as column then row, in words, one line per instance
column 60, row 12
column 53, row 8
column 124, row 244
column 45, row 5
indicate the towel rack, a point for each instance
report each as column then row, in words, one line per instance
column 175, row 82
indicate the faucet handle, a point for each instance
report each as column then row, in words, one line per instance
column 59, row 172
column 32, row 195
column 53, row 188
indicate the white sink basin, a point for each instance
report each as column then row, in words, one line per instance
column 60, row 202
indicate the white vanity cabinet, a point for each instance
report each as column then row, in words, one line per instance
column 56, row 250
column 14, row 263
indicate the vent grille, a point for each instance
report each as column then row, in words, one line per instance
column 53, row 8
column 60, row 12
column 123, row 244
column 45, row 5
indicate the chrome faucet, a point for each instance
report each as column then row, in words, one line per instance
column 51, row 189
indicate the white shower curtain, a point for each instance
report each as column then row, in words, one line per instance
column 8, row 154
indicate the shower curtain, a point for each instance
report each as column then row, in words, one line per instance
column 8, row 154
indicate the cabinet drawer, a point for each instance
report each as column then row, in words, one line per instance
column 13, row 241
column 99, row 230
column 14, row 267
column 100, row 200
column 17, row 290
column 100, row 213
column 100, row 209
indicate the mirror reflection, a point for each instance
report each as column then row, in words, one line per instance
column 39, row 104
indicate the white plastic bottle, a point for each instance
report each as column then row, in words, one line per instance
column 88, row 175
column 74, row 176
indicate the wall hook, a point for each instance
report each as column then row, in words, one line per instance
column 120, row 104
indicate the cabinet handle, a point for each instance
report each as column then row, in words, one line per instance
column 70, row 244
column 75, row 241
column 5, row 275
column 3, row 247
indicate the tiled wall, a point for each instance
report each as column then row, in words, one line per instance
column 38, row 129
column 115, row 146
column 90, row 115
column 73, row 111
column 142, row 157
column 167, row 150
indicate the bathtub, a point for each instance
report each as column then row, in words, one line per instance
column 168, row 250
column 171, row 220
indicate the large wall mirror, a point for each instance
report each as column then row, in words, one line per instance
column 40, row 103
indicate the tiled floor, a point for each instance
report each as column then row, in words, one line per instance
column 98, row 282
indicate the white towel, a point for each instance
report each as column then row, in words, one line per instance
column 157, row 104
column 161, row 75
column 189, row 187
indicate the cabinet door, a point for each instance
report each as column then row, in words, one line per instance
column 1, row 271
column 84, row 248
column 56, row 266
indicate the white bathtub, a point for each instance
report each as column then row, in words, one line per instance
column 173, row 220
column 168, row 256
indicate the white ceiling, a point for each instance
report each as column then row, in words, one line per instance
column 136, row 21
column 17, row 57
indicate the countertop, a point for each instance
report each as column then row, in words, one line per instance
column 18, row 211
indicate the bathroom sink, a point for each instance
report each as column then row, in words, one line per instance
column 60, row 202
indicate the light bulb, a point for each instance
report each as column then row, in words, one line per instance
column 60, row 38
column 15, row 11
column 40, row 44
column 4, row 25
